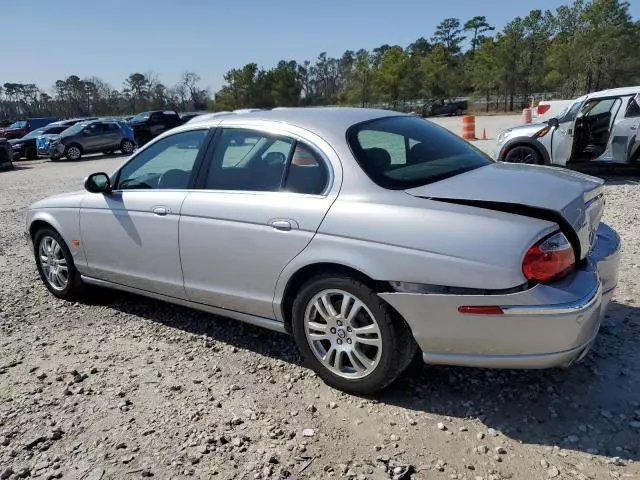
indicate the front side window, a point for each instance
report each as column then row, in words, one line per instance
column 251, row 160
column 404, row 152
column 167, row 164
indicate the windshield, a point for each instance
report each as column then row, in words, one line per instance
column 34, row 134
column 141, row 117
column 404, row 152
column 19, row 124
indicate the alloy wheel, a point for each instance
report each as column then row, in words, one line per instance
column 73, row 153
column 53, row 263
column 127, row 147
column 523, row 155
column 343, row 334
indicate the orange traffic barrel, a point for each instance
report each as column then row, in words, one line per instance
column 468, row 127
column 526, row 115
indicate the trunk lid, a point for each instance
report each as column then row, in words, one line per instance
column 573, row 199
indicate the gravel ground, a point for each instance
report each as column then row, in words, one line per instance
column 125, row 387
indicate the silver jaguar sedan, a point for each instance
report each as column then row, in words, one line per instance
column 368, row 235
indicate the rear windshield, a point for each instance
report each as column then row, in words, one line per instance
column 404, row 152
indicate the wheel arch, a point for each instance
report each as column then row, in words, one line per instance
column 73, row 144
column 303, row 274
column 41, row 221
column 526, row 142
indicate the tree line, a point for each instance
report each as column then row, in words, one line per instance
column 585, row 46
column 74, row 97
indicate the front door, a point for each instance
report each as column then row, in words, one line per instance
column 262, row 201
column 92, row 137
column 563, row 135
column 130, row 236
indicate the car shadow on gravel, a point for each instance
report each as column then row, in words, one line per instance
column 591, row 407
column 588, row 407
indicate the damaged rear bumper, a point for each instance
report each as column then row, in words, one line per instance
column 544, row 326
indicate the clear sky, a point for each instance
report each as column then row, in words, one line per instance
column 45, row 40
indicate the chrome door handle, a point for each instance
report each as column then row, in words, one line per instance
column 161, row 211
column 634, row 127
column 283, row 225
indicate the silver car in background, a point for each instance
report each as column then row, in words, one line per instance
column 601, row 127
column 368, row 235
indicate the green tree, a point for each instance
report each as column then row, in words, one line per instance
column 478, row 25
column 448, row 34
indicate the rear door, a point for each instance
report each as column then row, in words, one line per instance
column 260, row 203
column 625, row 138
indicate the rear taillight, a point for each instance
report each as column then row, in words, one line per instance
column 549, row 259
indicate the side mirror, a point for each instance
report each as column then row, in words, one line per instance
column 553, row 122
column 98, row 183
column 86, row 131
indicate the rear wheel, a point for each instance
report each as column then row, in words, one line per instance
column 523, row 154
column 351, row 338
column 55, row 265
column 73, row 152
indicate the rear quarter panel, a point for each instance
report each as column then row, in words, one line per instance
column 415, row 240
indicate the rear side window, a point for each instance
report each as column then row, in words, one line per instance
column 251, row 160
column 404, row 152
column 633, row 108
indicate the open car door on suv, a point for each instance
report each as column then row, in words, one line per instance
column 593, row 129
column 563, row 135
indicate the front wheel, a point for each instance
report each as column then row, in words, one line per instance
column 348, row 335
column 127, row 147
column 55, row 265
column 523, row 154
column 73, row 152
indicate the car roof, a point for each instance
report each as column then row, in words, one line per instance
column 328, row 120
column 623, row 91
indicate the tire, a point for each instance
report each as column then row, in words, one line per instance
column 64, row 284
column 523, row 154
column 31, row 153
column 73, row 152
column 127, row 147
column 388, row 349
column 458, row 112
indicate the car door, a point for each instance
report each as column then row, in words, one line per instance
column 130, row 235
column 157, row 123
column 112, row 135
column 260, row 203
column 88, row 137
column 625, row 137
column 563, row 135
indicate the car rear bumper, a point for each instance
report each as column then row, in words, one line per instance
column 544, row 326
